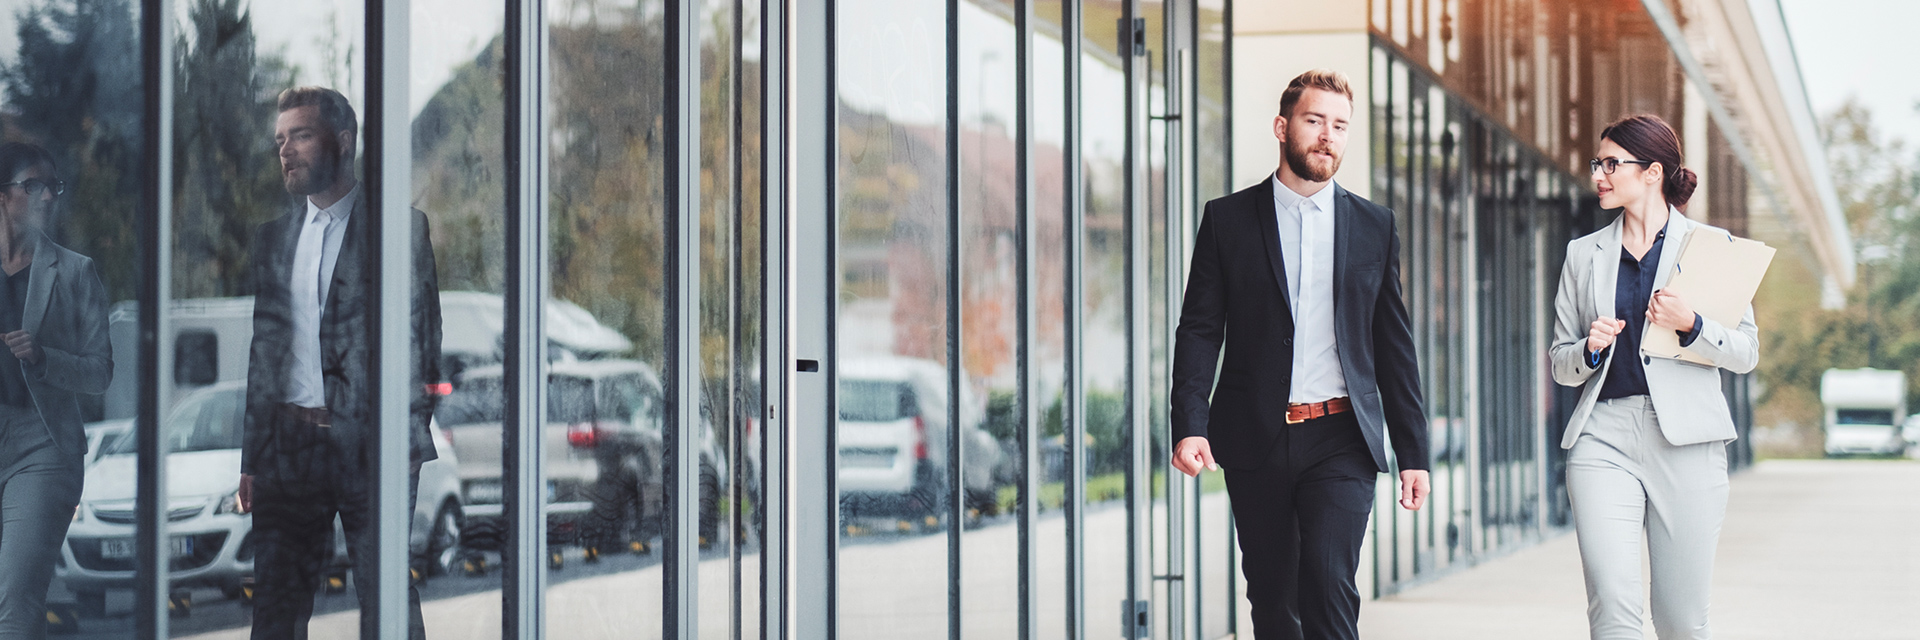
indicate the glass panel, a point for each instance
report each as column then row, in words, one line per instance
column 729, row 321
column 1049, row 196
column 606, row 506
column 990, row 316
column 742, row 520
column 70, row 155
column 892, row 320
column 1109, row 440
column 459, row 170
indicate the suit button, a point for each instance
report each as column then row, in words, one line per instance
column 1287, row 341
column 1647, row 360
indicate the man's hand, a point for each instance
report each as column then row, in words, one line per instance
column 1413, row 488
column 1193, row 455
column 246, row 493
column 1669, row 310
column 23, row 346
column 1600, row 334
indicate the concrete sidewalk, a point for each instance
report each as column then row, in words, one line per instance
column 1812, row 549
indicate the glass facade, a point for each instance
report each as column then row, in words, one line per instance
column 556, row 259
column 730, row 319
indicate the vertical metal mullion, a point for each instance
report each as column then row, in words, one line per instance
column 776, row 325
column 151, row 582
column 811, row 182
column 1226, row 151
column 1136, row 212
column 956, row 297
column 1383, row 576
column 523, row 616
column 1074, row 405
column 681, row 115
column 736, row 332
column 388, row 167
column 1182, row 492
column 1029, row 379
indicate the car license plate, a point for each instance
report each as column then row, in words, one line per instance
column 122, row 548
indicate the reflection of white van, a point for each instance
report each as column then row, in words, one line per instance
column 210, row 339
column 1864, row 410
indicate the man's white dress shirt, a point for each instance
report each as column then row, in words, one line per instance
column 312, row 278
column 1306, row 249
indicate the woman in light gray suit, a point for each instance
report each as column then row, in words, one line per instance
column 1648, row 440
column 53, row 317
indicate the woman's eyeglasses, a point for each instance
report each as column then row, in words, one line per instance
column 36, row 187
column 1608, row 165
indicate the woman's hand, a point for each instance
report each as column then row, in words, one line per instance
column 23, row 346
column 1600, row 334
column 1670, row 311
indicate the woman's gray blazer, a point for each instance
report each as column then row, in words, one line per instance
column 66, row 312
column 1685, row 395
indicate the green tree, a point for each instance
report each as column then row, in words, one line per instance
column 226, row 174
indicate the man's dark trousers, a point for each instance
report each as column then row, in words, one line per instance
column 309, row 479
column 1301, row 517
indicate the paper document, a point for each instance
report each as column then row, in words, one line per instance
column 1717, row 275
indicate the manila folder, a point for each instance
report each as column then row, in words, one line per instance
column 1717, row 275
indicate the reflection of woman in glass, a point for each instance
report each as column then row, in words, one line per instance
column 53, row 316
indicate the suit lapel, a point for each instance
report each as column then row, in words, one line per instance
column 347, row 272
column 39, row 283
column 1678, row 228
column 1342, row 248
column 1270, row 235
column 1606, row 269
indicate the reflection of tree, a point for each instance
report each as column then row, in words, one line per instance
column 74, row 89
column 607, row 219
column 226, row 172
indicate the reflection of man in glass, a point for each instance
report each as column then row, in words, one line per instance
column 312, row 431
column 53, row 316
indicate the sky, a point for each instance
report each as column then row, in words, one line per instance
column 1860, row 48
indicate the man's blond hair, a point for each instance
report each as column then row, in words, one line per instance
column 1322, row 79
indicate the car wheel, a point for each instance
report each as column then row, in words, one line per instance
column 91, row 604
column 443, row 545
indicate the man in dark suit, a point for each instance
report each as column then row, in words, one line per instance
column 1299, row 280
column 312, row 430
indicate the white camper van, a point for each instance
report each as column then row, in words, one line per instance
column 1865, row 408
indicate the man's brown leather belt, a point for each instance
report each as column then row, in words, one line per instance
column 315, row 416
column 1302, row 412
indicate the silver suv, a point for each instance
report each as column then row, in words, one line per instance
column 604, row 440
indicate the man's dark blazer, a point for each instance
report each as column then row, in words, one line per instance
column 1237, row 297
column 344, row 354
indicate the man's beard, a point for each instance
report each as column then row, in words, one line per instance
column 318, row 176
column 1303, row 164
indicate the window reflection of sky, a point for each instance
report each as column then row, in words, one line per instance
column 913, row 39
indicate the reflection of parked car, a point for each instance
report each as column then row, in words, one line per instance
column 892, row 436
column 101, row 434
column 604, row 439
column 210, row 546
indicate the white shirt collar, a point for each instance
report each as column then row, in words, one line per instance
column 339, row 211
column 1285, row 198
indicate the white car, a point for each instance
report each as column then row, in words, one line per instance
column 892, row 439
column 210, row 543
